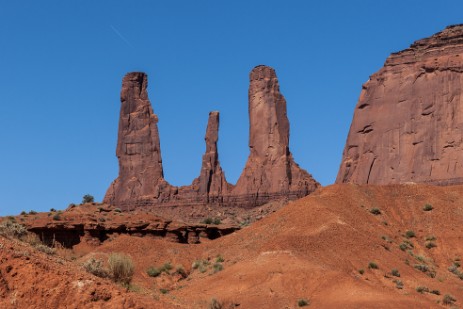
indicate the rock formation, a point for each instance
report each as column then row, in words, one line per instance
column 138, row 148
column 270, row 170
column 408, row 122
column 211, row 183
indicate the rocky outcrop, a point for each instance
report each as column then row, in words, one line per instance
column 211, row 184
column 408, row 122
column 270, row 170
column 138, row 148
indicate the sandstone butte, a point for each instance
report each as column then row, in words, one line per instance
column 408, row 122
column 270, row 172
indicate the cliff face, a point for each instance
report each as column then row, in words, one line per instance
column 270, row 171
column 408, row 122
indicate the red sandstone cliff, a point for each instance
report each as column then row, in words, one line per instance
column 408, row 122
column 270, row 171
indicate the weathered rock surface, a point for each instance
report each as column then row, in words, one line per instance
column 270, row 171
column 408, row 122
column 138, row 148
column 211, row 183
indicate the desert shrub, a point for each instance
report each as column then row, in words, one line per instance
column 52, row 209
column 217, row 267
column 216, row 221
column 395, row 272
column 302, row 302
column 56, row 217
column 72, row 205
column 436, row 292
column 121, row 268
column 361, row 271
column 399, row 284
column 430, row 245
column 23, row 213
column 153, row 272
column 166, row 267
column 375, row 211
column 117, row 210
column 207, row 221
column 219, row 259
column 422, row 267
column 181, row 271
column 45, row 249
column 95, row 267
column 448, row 299
column 87, row 198
column 410, row 234
column 214, row 304
column 428, row 207
column 372, row 265
column 32, row 212
column 12, row 229
column 164, row 291
column 422, row 289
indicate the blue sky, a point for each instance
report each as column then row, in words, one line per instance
column 62, row 62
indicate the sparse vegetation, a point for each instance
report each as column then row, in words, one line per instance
column 372, row 265
column 10, row 229
column 56, row 217
column 410, row 234
column 153, row 272
column 209, row 220
column 23, row 213
column 217, row 267
column 375, row 211
column 117, row 210
column 219, row 259
column 422, row 289
column 422, row 267
column 405, row 245
column 121, row 268
column 399, row 284
column 32, row 212
column 302, row 302
column 214, row 304
column 436, row 292
column 361, row 271
column 430, row 245
column 87, row 198
column 95, row 267
column 428, row 207
column 448, row 299
column 395, row 272
column 45, row 249
column 164, row 291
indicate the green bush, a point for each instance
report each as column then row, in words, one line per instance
column 436, row 292
column 372, row 265
column 430, row 245
column 153, row 272
column 428, row 207
column 410, row 234
column 422, row 267
column 361, row 271
column 302, row 302
column 448, row 299
column 121, row 268
column 395, row 272
column 217, row 267
column 87, row 198
column 422, row 289
column 207, row 221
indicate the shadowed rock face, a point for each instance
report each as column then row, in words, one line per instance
column 270, row 172
column 408, row 122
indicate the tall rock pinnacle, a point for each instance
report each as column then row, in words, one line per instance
column 211, row 183
column 408, row 122
column 138, row 147
column 270, row 170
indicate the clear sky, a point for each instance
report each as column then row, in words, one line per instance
column 62, row 62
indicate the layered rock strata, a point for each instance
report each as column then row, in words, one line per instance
column 270, row 171
column 408, row 122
